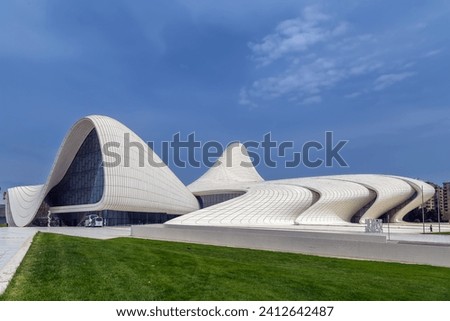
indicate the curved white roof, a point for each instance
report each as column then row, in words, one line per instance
column 231, row 169
column 417, row 199
column 327, row 200
column 338, row 202
column 390, row 192
column 263, row 204
column 137, row 187
column 144, row 187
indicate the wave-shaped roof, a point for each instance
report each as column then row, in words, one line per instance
column 133, row 184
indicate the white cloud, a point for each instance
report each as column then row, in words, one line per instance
column 299, row 80
column 24, row 32
column 420, row 26
column 295, row 36
column 244, row 99
column 364, row 67
column 312, row 100
column 353, row 95
column 315, row 52
column 387, row 80
column 432, row 53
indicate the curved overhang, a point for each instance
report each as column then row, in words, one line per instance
column 423, row 192
column 338, row 202
column 390, row 192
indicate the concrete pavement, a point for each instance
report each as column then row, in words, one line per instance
column 14, row 244
column 412, row 248
column 101, row 233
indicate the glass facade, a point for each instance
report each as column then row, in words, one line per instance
column 213, row 199
column 84, row 181
column 110, row 218
column 82, row 184
column 114, row 218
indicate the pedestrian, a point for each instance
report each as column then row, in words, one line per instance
column 431, row 228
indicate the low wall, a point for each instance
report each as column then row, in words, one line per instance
column 359, row 246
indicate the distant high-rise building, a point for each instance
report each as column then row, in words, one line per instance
column 437, row 200
column 440, row 200
column 444, row 201
column 432, row 203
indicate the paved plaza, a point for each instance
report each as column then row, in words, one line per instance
column 15, row 241
column 14, row 244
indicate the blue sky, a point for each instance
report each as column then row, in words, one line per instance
column 375, row 73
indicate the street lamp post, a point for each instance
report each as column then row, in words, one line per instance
column 423, row 213
column 389, row 230
column 439, row 210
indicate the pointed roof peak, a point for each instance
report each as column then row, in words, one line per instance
column 233, row 166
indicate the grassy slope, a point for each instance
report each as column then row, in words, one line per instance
column 67, row 268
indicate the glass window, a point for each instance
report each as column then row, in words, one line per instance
column 84, row 181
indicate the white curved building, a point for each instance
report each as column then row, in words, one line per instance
column 389, row 192
column 117, row 182
column 102, row 167
column 229, row 200
column 338, row 201
column 261, row 205
column 422, row 192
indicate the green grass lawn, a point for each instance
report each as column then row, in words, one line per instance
column 3, row 225
column 60, row 267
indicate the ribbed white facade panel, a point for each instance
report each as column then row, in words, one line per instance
column 419, row 187
column 23, row 208
column 390, row 192
column 23, row 201
column 139, row 187
column 268, row 204
column 334, row 201
column 338, row 202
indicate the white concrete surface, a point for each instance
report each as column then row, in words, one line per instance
column 409, row 247
column 14, row 244
column 332, row 200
